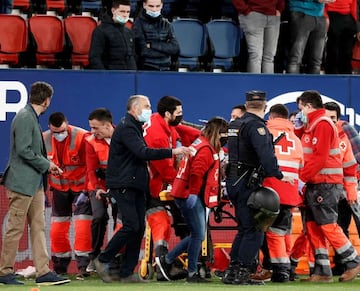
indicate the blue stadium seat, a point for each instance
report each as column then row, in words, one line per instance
column 92, row 6
column 225, row 36
column 191, row 35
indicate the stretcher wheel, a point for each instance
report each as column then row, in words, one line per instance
column 146, row 270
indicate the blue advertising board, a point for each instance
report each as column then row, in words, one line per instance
column 203, row 94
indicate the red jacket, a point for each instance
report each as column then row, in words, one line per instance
column 187, row 134
column 321, row 151
column 97, row 154
column 267, row 7
column 190, row 179
column 290, row 158
column 343, row 7
column 158, row 134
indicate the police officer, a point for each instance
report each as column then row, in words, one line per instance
column 251, row 158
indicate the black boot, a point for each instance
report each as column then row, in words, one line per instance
column 242, row 277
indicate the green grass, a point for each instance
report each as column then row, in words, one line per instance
column 95, row 284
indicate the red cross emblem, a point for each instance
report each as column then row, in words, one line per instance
column 285, row 145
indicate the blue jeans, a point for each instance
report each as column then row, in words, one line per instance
column 261, row 34
column 195, row 219
column 248, row 240
column 306, row 32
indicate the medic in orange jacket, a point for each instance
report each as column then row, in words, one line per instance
column 289, row 153
column 69, row 155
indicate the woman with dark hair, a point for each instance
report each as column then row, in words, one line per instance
column 195, row 187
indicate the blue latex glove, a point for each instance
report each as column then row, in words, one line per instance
column 191, row 201
column 298, row 120
column 82, row 198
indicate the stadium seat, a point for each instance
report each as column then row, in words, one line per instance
column 79, row 30
column 13, row 39
column 192, row 37
column 23, row 5
column 48, row 34
column 225, row 36
column 56, row 5
column 93, row 6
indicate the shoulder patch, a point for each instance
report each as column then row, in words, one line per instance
column 261, row 130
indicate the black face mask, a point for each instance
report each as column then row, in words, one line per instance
column 223, row 141
column 176, row 121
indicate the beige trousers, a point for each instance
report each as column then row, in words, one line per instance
column 32, row 208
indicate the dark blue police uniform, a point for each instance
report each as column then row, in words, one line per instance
column 250, row 145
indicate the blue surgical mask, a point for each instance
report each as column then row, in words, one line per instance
column 60, row 136
column 153, row 14
column 145, row 115
column 304, row 118
column 121, row 20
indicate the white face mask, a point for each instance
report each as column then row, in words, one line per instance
column 145, row 115
column 60, row 136
column 153, row 14
column 121, row 20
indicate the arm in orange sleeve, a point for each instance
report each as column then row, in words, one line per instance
column 350, row 173
column 92, row 163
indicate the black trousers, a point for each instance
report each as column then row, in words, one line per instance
column 131, row 204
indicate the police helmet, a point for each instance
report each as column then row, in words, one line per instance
column 265, row 203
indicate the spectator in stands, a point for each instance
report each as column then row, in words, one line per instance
column 155, row 42
column 112, row 42
column 343, row 25
column 307, row 29
column 65, row 146
column 25, row 178
column 260, row 21
column 6, row 6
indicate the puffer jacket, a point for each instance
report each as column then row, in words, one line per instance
column 159, row 34
column 112, row 47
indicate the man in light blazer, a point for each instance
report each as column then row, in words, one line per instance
column 25, row 179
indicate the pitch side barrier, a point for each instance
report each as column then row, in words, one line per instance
column 203, row 94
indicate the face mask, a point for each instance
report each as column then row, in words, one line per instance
column 121, row 20
column 60, row 136
column 153, row 14
column 304, row 118
column 176, row 121
column 223, row 141
column 145, row 115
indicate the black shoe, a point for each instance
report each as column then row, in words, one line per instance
column 164, row 267
column 280, row 277
column 219, row 273
column 102, row 270
column 196, row 278
column 50, row 279
column 10, row 279
column 242, row 277
column 229, row 274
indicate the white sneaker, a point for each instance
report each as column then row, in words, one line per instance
column 91, row 267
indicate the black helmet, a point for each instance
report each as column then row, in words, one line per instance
column 265, row 203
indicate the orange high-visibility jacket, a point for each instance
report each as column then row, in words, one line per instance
column 72, row 162
column 290, row 159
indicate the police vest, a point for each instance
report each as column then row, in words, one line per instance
column 101, row 148
column 332, row 171
column 210, row 188
column 74, row 169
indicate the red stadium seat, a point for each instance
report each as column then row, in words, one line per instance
column 13, row 38
column 22, row 5
column 56, row 5
column 79, row 30
column 48, row 33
